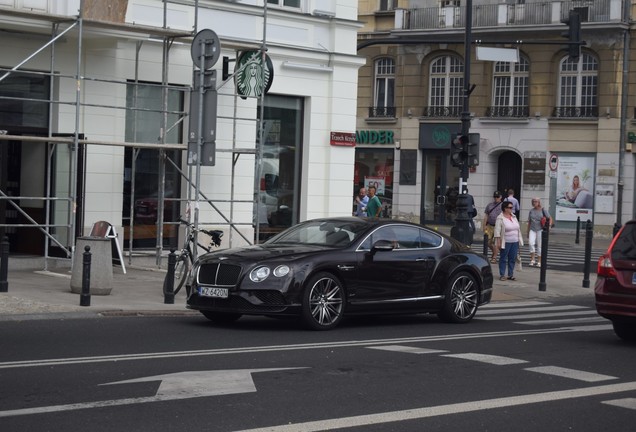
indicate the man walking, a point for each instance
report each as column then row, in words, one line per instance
column 491, row 212
column 361, row 203
column 516, row 208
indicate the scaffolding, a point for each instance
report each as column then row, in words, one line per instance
column 62, row 26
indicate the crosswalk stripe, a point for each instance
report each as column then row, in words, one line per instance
column 571, row 373
column 487, row 358
column 529, row 309
column 561, row 321
column 629, row 403
column 512, row 304
column 407, row 349
column 539, row 315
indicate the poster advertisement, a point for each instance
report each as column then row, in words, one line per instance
column 378, row 182
column 604, row 198
column 575, row 186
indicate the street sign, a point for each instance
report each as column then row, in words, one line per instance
column 554, row 162
column 205, row 42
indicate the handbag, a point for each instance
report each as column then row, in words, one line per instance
column 544, row 219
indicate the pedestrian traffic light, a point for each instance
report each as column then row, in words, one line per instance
column 459, row 150
column 473, row 149
column 573, row 21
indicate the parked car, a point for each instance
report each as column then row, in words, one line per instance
column 615, row 288
column 324, row 269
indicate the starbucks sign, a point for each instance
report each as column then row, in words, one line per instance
column 253, row 78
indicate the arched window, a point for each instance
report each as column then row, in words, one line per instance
column 578, row 87
column 510, row 89
column 384, row 92
column 446, row 87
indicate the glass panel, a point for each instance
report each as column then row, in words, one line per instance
column 279, row 188
column 375, row 167
column 143, row 126
column 24, row 113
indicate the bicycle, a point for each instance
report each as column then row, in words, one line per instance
column 184, row 257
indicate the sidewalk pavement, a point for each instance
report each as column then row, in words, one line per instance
column 39, row 294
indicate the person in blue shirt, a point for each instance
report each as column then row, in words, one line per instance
column 361, row 203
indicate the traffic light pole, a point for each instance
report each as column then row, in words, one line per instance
column 462, row 230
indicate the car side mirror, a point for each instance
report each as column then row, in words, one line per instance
column 382, row 246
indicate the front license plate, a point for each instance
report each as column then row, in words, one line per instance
column 213, row 292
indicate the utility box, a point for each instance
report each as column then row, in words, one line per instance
column 101, row 276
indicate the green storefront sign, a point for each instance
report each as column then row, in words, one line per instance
column 375, row 137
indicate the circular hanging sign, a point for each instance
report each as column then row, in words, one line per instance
column 205, row 42
column 251, row 77
column 554, row 162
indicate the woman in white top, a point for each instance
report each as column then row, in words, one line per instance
column 508, row 238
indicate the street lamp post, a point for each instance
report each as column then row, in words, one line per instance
column 462, row 230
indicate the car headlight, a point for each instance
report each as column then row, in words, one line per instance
column 281, row 270
column 259, row 274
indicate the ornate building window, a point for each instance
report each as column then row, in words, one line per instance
column 578, row 87
column 446, row 87
column 384, row 91
column 510, row 89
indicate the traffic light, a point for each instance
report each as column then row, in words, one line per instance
column 473, row 149
column 459, row 150
column 573, row 21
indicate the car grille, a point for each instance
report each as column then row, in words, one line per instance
column 235, row 304
column 219, row 274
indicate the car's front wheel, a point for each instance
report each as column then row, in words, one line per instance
column 627, row 332
column 460, row 302
column 323, row 302
column 221, row 317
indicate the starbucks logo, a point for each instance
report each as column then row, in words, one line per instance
column 253, row 78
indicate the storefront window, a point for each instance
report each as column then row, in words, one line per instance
column 374, row 166
column 143, row 126
column 279, row 169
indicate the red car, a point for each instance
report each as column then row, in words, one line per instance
column 615, row 289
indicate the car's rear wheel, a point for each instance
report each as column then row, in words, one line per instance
column 323, row 302
column 460, row 302
column 625, row 331
column 221, row 317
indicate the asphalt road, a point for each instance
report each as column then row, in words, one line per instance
column 522, row 366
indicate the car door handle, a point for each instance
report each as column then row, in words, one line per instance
column 427, row 259
column 345, row 267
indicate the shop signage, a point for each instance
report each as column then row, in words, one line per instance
column 346, row 139
column 375, row 137
column 437, row 136
column 253, row 78
column 534, row 169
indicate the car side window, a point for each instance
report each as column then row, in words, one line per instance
column 403, row 237
column 625, row 246
column 429, row 239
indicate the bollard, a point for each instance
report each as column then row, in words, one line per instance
column 616, row 229
column 168, row 283
column 85, row 296
column 588, row 254
column 486, row 238
column 545, row 237
column 4, row 264
column 578, row 229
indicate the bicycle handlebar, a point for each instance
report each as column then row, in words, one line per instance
column 214, row 234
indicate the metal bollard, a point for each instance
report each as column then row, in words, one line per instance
column 616, row 229
column 4, row 264
column 168, row 283
column 578, row 229
column 545, row 238
column 85, row 296
column 588, row 254
column 486, row 238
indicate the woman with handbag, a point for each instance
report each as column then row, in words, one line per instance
column 537, row 219
column 508, row 238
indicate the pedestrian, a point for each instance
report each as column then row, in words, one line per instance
column 508, row 237
column 374, row 206
column 515, row 202
column 361, row 203
column 493, row 209
column 537, row 218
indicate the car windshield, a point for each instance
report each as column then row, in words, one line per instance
column 321, row 232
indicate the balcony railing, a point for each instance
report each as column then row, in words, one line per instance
column 443, row 111
column 381, row 112
column 575, row 112
column 505, row 15
column 508, row 111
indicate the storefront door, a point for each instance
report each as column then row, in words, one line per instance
column 440, row 183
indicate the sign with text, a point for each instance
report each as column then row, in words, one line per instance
column 346, row 139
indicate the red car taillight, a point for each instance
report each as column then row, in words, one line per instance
column 605, row 267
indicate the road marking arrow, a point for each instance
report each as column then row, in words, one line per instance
column 181, row 385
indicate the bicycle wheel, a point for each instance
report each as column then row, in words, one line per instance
column 181, row 268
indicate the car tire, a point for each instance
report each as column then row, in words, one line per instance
column 323, row 302
column 460, row 300
column 627, row 332
column 221, row 317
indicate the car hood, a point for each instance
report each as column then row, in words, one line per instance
column 263, row 252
